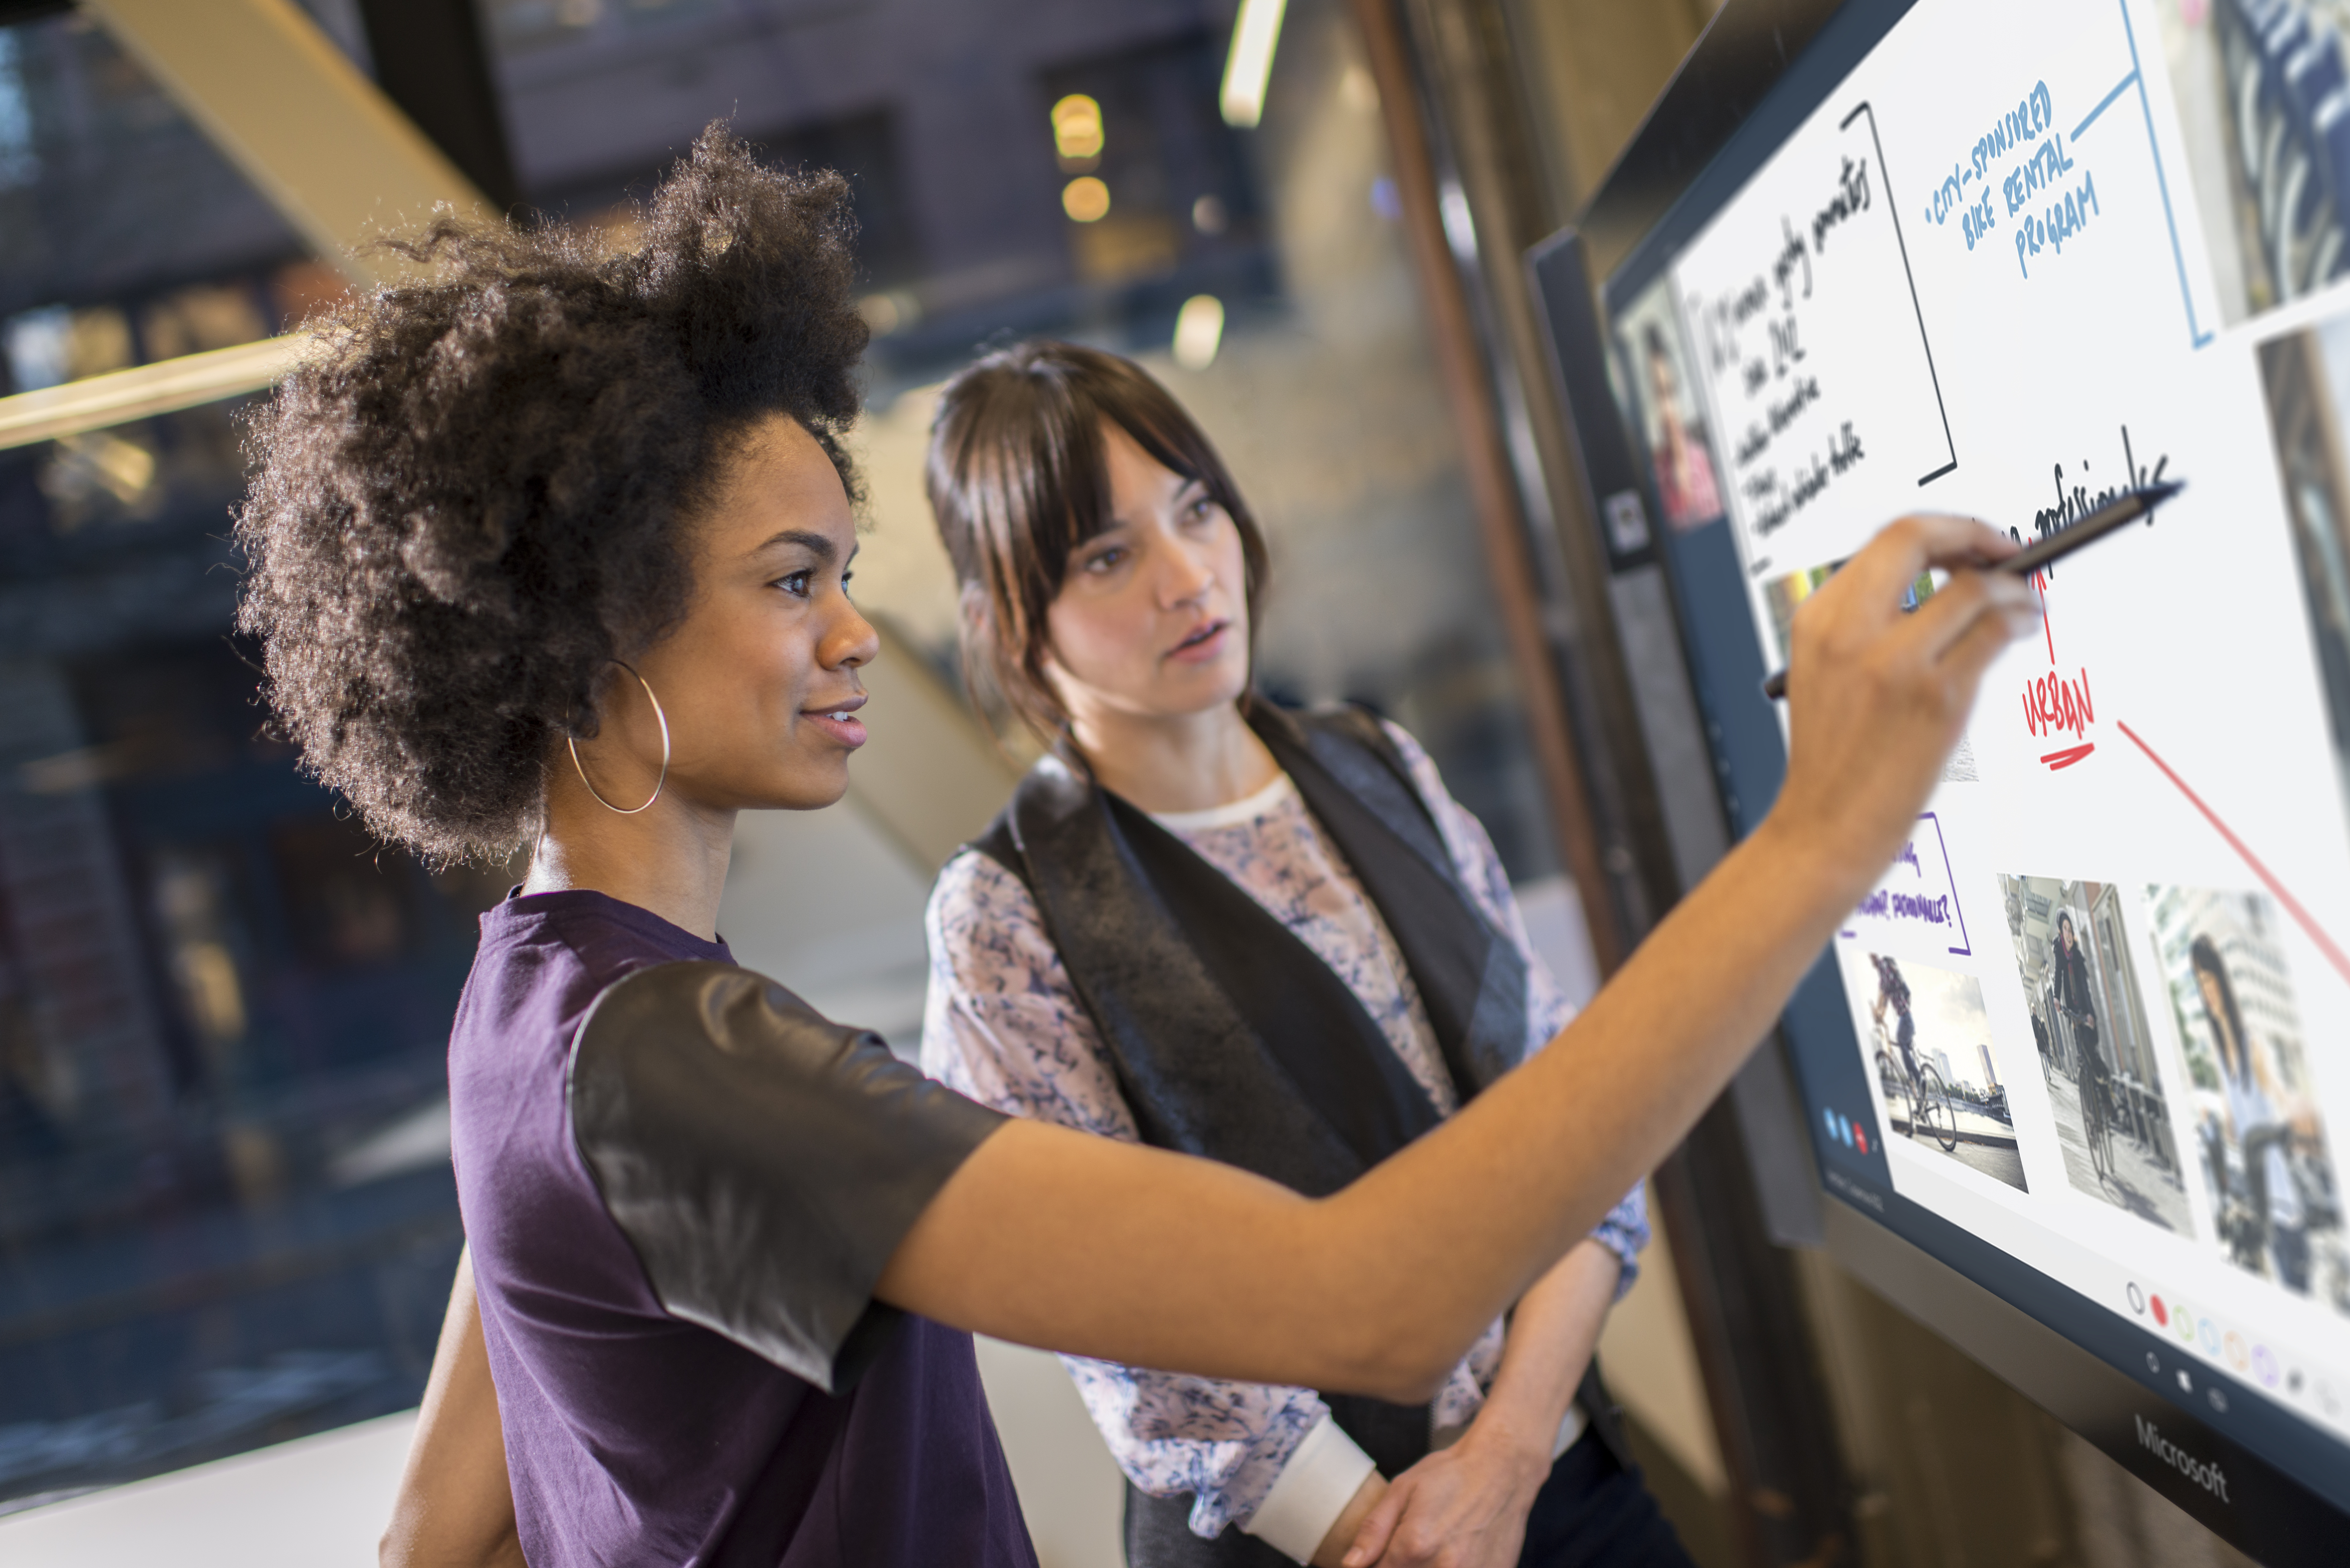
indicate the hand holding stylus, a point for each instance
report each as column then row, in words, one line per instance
column 1882, row 695
column 2023, row 563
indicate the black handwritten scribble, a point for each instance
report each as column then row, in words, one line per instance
column 1780, row 413
column 1802, row 396
column 1851, row 198
column 1749, row 303
column 1778, row 497
column 1892, row 211
column 2075, row 500
column 1792, row 255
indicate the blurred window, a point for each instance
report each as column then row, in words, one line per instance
column 226, row 1216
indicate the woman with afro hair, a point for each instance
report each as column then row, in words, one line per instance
column 549, row 549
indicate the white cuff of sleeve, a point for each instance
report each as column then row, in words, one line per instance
column 1312, row 1490
column 1570, row 1430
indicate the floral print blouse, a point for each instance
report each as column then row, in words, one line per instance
column 1004, row 1025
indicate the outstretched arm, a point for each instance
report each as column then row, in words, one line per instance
column 1047, row 1237
column 1053, row 1238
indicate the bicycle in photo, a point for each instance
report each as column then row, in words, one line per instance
column 1931, row 1109
column 2097, row 1127
column 2093, row 1088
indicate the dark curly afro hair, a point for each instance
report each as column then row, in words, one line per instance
column 472, row 494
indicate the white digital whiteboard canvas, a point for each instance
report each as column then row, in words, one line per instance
column 2089, row 1041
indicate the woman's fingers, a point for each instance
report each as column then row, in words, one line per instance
column 1969, row 601
column 1911, row 546
column 1378, row 1526
column 1967, row 644
column 1878, row 697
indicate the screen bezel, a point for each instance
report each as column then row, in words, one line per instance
column 1759, row 71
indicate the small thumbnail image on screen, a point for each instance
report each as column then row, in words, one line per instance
column 1665, row 400
column 2272, row 184
column 2258, row 1138
column 1785, row 596
column 1928, row 1041
column 2096, row 1054
column 2306, row 375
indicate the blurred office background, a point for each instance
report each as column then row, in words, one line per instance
column 226, row 1216
column 227, row 1221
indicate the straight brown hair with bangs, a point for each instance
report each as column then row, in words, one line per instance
column 1019, row 477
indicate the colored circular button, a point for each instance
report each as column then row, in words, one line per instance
column 2208, row 1332
column 2240, row 1355
column 2264, row 1366
column 2161, row 1312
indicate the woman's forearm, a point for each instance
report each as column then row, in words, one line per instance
column 1050, row 1238
column 1129, row 1254
column 1553, row 1329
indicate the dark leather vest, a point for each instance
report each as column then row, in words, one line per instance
column 1232, row 1040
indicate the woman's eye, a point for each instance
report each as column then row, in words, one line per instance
column 796, row 583
column 1106, row 560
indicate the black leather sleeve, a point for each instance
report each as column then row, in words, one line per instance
column 762, row 1161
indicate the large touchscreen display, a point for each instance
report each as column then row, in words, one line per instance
column 2026, row 254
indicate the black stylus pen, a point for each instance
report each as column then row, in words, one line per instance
column 2104, row 520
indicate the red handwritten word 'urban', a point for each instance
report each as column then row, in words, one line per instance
column 2053, row 705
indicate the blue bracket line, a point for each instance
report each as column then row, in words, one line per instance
column 2106, row 103
column 2196, row 334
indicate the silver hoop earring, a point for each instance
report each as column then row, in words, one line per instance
column 573, row 742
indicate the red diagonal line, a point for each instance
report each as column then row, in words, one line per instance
column 2292, row 906
column 2069, row 755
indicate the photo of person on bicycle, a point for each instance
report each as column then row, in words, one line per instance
column 1893, row 991
column 1925, row 1022
column 2107, row 1090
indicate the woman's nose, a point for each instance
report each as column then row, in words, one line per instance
column 852, row 642
column 1188, row 575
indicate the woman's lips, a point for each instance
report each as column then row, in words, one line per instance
column 1203, row 645
column 839, row 721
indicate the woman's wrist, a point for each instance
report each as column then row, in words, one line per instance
column 1518, row 1440
column 1814, row 863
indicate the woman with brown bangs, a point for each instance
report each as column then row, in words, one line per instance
column 550, row 551
column 1265, row 938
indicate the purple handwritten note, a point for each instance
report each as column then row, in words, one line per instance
column 1917, row 897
